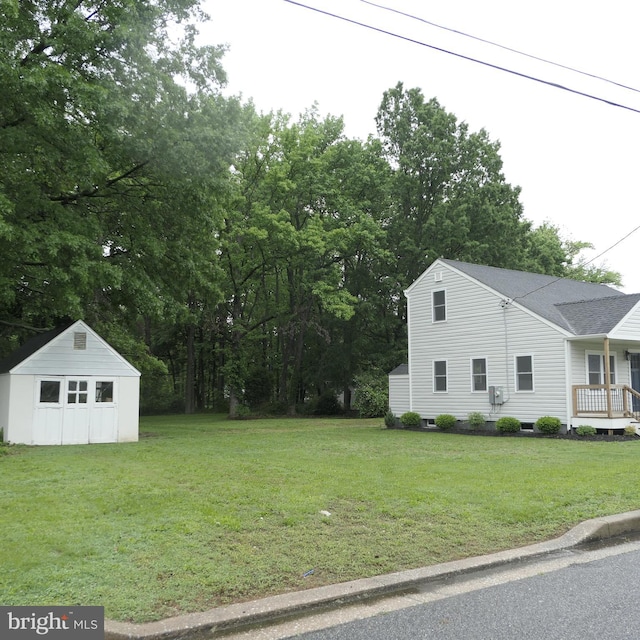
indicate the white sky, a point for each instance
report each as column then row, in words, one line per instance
column 575, row 159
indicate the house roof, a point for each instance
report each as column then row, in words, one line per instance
column 597, row 316
column 30, row 347
column 582, row 308
column 400, row 370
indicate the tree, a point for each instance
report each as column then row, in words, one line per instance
column 451, row 198
column 89, row 108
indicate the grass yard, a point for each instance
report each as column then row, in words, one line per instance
column 204, row 511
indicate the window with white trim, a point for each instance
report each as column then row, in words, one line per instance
column 595, row 368
column 439, row 376
column 49, row 392
column 524, row 373
column 104, row 391
column 77, row 392
column 478, row 374
column 439, row 306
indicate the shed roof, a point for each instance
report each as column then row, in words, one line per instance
column 52, row 353
column 31, row 346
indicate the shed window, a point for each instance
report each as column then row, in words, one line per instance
column 104, row 391
column 50, row 391
column 439, row 306
column 77, row 392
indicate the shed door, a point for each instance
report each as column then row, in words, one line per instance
column 49, row 411
column 74, row 410
column 104, row 412
column 77, row 411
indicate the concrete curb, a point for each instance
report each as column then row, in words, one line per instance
column 198, row 626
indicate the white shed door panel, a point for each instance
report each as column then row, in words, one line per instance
column 71, row 410
column 47, row 425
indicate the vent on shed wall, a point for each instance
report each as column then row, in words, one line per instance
column 437, row 276
column 80, row 340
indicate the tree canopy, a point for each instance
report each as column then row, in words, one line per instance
column 239, row 259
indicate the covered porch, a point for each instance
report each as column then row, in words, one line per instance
column 610, row 404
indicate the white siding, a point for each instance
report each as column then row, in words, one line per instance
column 478, row 325
column 629, row 327
column 60, row 358
column 5, row 389
column 20, row 414
column 128, row 409
column 399, row 394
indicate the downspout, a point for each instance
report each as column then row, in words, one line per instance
column 607, row 376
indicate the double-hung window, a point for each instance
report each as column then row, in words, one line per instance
column 478, row 374
column 524, row 373
column 439, row 376
column 595, row 368
column 439, row 306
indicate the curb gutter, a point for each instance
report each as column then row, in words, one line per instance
column 198, row 626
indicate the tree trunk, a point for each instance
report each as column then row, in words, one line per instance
column 189, row 385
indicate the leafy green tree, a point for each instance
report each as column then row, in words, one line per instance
column 450, row 196
column 90, row 107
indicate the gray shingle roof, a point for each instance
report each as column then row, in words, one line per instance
column 29, row 347
column 556, row 299
column 400, row 370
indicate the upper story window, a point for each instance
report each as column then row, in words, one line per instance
column 524, row 373
column 595, row 368
column 439, row 306
column 479, row 374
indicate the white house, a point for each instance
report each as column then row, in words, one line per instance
column 68, row 386
column 505, row 342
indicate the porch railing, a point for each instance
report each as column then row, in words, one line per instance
column 616, row 401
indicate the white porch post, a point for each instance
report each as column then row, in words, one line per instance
column 607, row 376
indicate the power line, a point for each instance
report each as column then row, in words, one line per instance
column 500, row 46
column 584, row 264
column 463, row 57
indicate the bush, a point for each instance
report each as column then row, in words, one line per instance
column 410, row 419
column 629, row 430
column 507, row 424
column 371, row 395
column 389, row 419
column 476, row 420
column 548, row 425
column 328, row 405
column 586, row 430
column 445, row 421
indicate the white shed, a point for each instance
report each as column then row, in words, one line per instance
column 68, row 386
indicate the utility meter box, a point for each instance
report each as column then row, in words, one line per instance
column 496, row 395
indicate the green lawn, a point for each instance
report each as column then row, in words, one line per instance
column 204, row 511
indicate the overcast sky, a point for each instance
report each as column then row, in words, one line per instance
column 575, row 159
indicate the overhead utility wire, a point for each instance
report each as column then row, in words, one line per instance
column 500, row 46
column 459, row 55
column 584, row 264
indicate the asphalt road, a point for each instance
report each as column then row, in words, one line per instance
column 576, row 594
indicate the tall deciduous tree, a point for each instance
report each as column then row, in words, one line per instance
column 451, row 198
column 90, row 108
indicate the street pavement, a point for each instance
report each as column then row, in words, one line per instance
column 580, row 594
